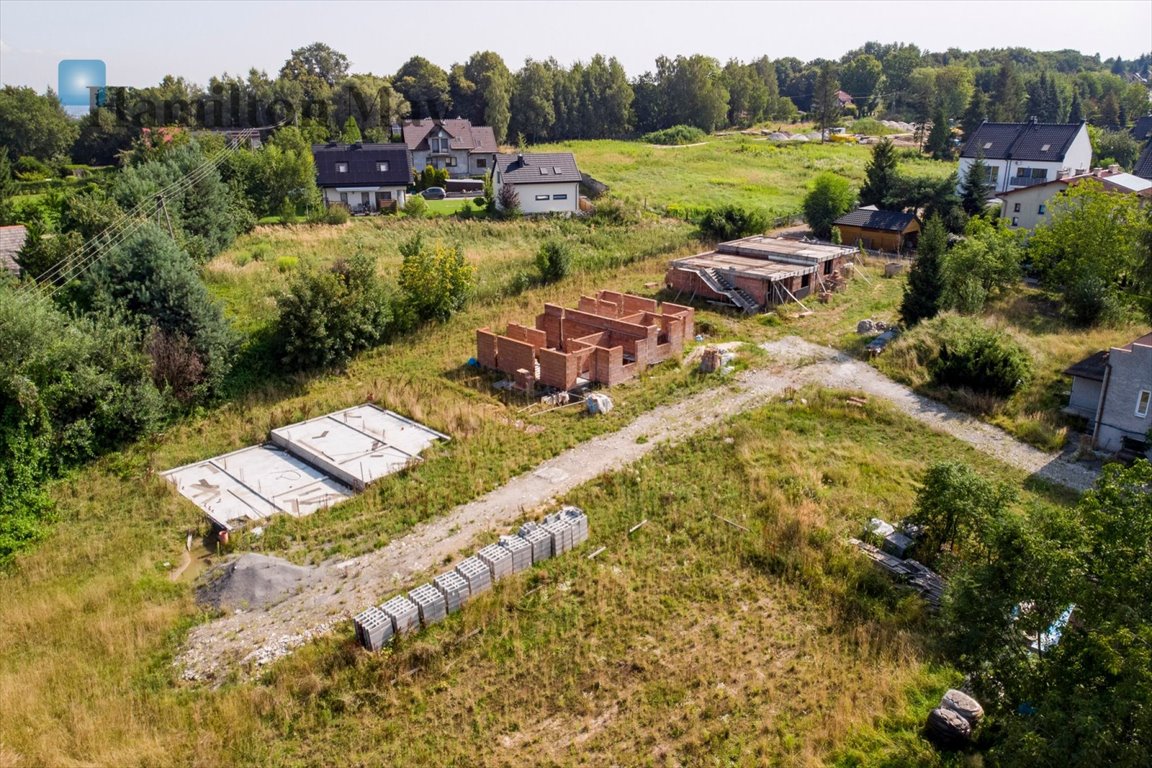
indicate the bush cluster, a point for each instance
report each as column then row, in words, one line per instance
column 727, row 222
column 977, row 357
column 677, row 134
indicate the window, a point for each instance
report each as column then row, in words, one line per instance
column 1042, row 209
column 560, row 197
column 1142, row 403
column 543, row 171
column 344, row 198
column 1046, row 147
column 828, row 267
column 543, row 197
column 384, row 195
column 481, row 162
column 1016, row 208
column 805, row 281
column 382, row 167
column 341, row 167
column 1015, row 221
column 988, row 145
column 993, row 173
column 556, row 170
column 451, row 162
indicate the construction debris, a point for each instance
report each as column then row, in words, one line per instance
column 598, row 403
column 928, row 583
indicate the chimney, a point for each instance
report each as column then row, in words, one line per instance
column 1062, row 174
column 520, row 158
column 1114, row 168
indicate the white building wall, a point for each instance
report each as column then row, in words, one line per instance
column 1078, row 159
column 1131, row 373
column 530, row 192
column 1030, row 200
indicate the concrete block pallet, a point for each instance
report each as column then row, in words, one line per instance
column 476, row 573
column 431, row 603
column 404, row 614
column 520, row 550
column 453, row 588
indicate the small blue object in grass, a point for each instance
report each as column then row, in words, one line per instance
column 473, row 362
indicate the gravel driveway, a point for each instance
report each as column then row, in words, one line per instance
column 336, row 592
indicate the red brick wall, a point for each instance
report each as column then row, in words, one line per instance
column 486, row 348
column 558, row 369
column 512, row 355
column 529, row 335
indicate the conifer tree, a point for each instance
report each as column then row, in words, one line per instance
column 925, row 286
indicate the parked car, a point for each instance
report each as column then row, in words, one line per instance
column 435, row 193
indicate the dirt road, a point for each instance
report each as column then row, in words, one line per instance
column 336, row 592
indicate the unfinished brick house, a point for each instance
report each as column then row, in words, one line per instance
column 758, row 272
column 608, row 339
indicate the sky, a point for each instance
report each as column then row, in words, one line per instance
column 142, row 41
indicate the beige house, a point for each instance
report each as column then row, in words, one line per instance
column 1028, row 207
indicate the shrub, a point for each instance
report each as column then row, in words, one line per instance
column 677, row 134
column 509, row 201
column 261, row 251
column 436, row 281
column 337, row 213
column 416, row 207
column 728, row 222
column 830, row 198
column 480, row 202
column 328, row 316
column 613, row 210
column 554, row 259
column 287, row 263
column 974, row 356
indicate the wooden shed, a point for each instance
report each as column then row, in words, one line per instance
column 879, row 230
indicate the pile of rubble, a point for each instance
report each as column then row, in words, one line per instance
column 892, row 556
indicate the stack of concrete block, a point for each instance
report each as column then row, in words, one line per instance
column 498, row 560
column 404, row 614
column 373, row 628
column 539, row 539
column 520, row 550
column 560, row 529
column 453, row 588
column 476, row 573
column 579, row 522
column 431, row 603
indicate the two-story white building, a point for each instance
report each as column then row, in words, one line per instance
column 1020, row 155
column 545, row 182
column 464, row 149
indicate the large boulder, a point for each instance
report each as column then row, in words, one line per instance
column 963, row 705
column 947, row 729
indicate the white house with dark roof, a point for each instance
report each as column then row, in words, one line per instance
column 1021, row 155
column 363, row 177
column 464, row 149
column 545, row 182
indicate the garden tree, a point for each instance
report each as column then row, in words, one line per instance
column 425, row 86
column 287, row 174
column 204, row 216
column 34, row 125
column 975, row 189
column 955, row 86
column 327, row 316
column 747, row 93
column 939, row 142
column 1142, row 282
column 773, row 105
column 351, row 132
column 1008, row 95
column 1109, row 114
column 8, row 189
column 927, row 195
column 509, row 201
column 825, row 105
column 861, row 77
column 921, row 97
column 975, row 113
column 1110, row 147
column 953, row 503
column 648, row 105
column 435, row 281
column 372, row 101
column 970, row 355
column 1076, row 109
column 69, row 390
column 102, row 138
column 1090, row 251
column 985, row 263
column 1087, row 696
column 45, row 251
column 795, row 79
column 729, row 222
column 462, row 91
column 554, row 260
column 492, row 85
column 151, row 283
column 694, row 92
column 533, row 110
column 923, row 290
column 879, row 174
column 829, row 198
column 317, row 61
column 88, row 213
column 898, row 65
column 1044, row 99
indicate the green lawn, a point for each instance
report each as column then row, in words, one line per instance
column 745, row 170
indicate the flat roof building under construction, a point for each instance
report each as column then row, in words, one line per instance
column 609, row 338
column 758, row 272
column 307, row 466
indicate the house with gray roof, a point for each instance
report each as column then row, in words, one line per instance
column 547, row 182
column 1029, row 207
column 1022, row 155
column 11, row 241
column 365, row 178
column 879, row 230
column 1112, row 390
column 462, row 148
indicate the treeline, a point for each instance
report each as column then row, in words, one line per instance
column 547, row 101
